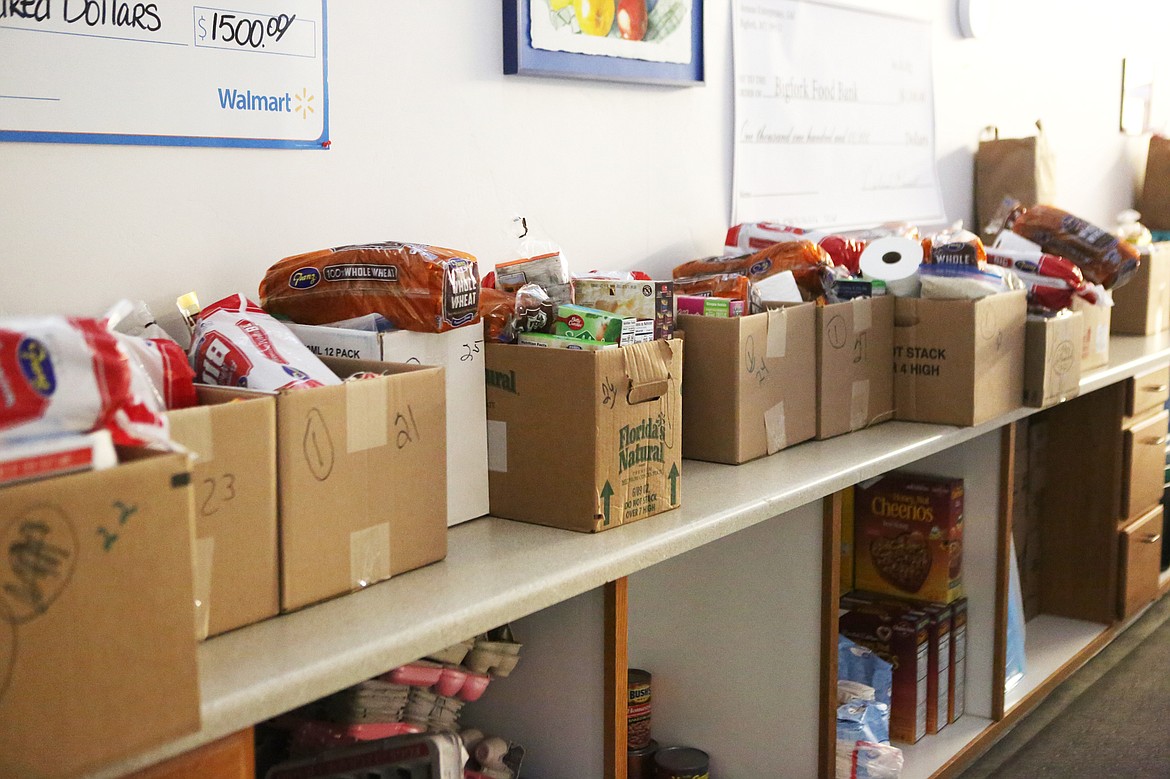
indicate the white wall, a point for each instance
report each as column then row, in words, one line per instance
column 431, row 143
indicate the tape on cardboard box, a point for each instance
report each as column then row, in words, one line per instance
column 859, row 405
column 775, row 427
column 497, row 436
column 777, row 333
column 369, row 555
column 204, row 553
column 862, row 315
column 365, row 415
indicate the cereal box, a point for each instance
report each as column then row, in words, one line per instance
column 908, row 537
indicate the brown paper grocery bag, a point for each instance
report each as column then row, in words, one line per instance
column 1154, row 202
column 1019, row 168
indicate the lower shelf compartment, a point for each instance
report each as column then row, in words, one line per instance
column 1050, row 643
column 925, row 758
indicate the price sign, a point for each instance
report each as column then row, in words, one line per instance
column 166, row 72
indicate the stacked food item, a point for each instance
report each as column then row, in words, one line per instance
column 71, row 389
column 423, row 697
column 535, row 301
column 902, row 645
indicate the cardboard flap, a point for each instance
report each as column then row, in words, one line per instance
column 648, row 366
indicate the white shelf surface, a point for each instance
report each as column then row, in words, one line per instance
column 497, row 570
column 1049, row 643
column 923, row 759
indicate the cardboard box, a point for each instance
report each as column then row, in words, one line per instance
column 362, row 474
column 460, row 352
column 236, row 572
column 958, row 362
column 1142, row 306
column 958, row 669
column 584, row 441
column 855, row 349
column 97, row 656
column 908, row 532
column 1052, row 358
column 1097, row 322
column 750, row 386
column 902, row 638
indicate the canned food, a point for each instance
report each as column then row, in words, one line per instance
column 681, row 763
column 638, row 709
column 640, row 762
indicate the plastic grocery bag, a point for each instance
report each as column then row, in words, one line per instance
column 864, row 760
column 856, row 663
column 1015, row 664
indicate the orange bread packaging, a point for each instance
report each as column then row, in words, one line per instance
column 422, row 288
column 810, row 265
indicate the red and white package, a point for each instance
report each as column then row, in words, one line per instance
column 61, row 375
column 1051, row 280
column 236, row 343
column 165, row 364
column 751, row 237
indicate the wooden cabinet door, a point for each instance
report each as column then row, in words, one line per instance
column 1147, row 391
column 1145, row 463
column 1141, row 558
column 232, row 757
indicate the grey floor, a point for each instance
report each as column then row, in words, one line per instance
column 1109, row 719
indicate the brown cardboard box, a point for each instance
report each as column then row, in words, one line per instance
column 1052, row 358
column 901, row 637
column 97, row 657
column 908, row 531
column 855, row 349
column 236, row 573
column 1097, row 319
column 582, row 440
column 750, row 387
column 958, row 670
column 362, row 475
column 943, row 349
column 1142, row 306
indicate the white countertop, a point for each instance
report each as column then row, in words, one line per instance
column 498, row 570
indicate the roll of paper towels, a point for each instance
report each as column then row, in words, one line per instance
column 895, row 261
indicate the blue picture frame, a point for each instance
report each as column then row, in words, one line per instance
column 520, row 58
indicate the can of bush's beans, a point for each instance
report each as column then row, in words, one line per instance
column 681, row 763
column 640, row 762
column 638, row 709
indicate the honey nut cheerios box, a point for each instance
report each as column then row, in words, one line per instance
column 908, row 537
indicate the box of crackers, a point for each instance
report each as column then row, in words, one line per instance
column 908, row 537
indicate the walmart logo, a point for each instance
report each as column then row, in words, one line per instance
column 247, row 100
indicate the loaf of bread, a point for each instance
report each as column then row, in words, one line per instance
column 423, row 288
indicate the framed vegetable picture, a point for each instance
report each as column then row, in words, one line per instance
column 649, row 41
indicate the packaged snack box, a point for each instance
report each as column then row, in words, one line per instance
column 908, row 537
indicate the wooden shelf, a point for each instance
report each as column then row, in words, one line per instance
column 925, row 758
column 1051, row 643
column 497, row 570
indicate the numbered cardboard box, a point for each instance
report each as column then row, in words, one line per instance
column 584, row 440
column 460, row 352
column 96, row 609
column 362, row 475
column 236, row 553
column 855, row 350
column 751, row 383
